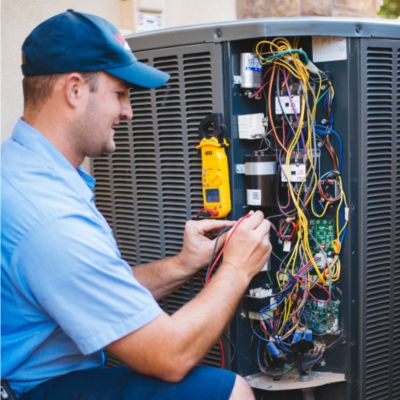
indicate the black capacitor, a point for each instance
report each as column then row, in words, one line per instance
column 260, row 171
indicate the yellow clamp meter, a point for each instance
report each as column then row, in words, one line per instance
column 215, row 173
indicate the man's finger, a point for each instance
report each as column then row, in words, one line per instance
column 266, row 242
column 207, row 225
column 263, row 228
column 254, row 220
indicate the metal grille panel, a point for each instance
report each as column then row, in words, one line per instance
column 102, row 170
column 152, row 184
column 382, row 278
column 396, row 235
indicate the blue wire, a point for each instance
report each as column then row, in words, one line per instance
column 283, row 293
column 258, row 336
column 282, row 345
column 323, row 97
column 268, row 307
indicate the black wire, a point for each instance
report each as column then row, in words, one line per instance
column 214, row 253
column 232, row 344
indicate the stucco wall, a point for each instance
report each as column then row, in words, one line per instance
column 189, row 12
column 19, row 17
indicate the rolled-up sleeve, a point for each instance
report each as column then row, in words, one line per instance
column 73, row 269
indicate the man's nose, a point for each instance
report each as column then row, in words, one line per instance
column 126, row 110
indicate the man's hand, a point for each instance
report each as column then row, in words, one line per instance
column 199, row 242
column 169, row 346
column 249, row 247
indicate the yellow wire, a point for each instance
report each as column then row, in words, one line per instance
column 297, row 69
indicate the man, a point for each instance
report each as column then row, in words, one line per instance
column 66, row 293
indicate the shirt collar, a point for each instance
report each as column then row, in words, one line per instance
column 33, row 140
column 87, row 178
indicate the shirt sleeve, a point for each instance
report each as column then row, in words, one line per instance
column 73, row 270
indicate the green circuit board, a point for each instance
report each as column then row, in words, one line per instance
column 324, row 232
column 323, row 318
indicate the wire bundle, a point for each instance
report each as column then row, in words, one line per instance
column 212, row 265
column 308, row 270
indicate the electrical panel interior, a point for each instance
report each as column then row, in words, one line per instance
column 287, row 158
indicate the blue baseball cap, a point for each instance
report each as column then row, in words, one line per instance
column 77, row 42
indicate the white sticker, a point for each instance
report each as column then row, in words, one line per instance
column 329, row 48
column 148, row 21
column 253, row 64
column 251, row 126
column 287, row 246
column 253, row 197
column 260, row 293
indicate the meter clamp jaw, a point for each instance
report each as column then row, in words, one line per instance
column 215, row 172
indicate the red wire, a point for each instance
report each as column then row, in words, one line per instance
column 223, row 248
column 221, row 345
column 210, row 213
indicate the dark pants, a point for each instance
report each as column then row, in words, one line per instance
column 202, row 383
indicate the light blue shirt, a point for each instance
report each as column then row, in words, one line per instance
column 66, row 292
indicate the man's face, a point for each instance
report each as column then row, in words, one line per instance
column 105, row 108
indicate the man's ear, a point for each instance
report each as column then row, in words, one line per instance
column 75, row 89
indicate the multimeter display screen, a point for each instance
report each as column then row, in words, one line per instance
column 212, row 195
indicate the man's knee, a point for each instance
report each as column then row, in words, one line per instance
column 241, row 390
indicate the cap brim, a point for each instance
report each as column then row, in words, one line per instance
column 140, row 74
